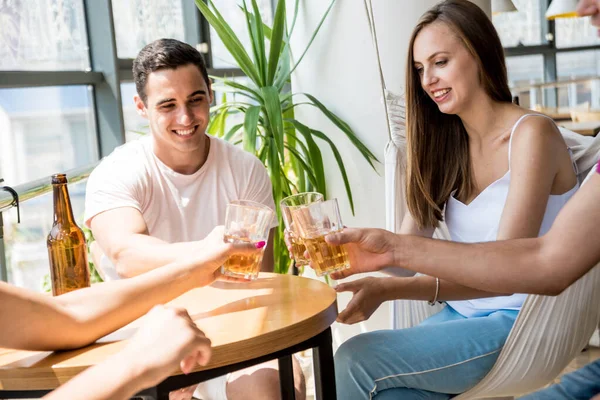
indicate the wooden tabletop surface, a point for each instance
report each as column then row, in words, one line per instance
column 243, row 321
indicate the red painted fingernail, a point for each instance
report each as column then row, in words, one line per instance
column 260, row 244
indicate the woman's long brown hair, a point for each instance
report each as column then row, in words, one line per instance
column 437, row 143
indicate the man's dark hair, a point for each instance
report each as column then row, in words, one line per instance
column 164, row 54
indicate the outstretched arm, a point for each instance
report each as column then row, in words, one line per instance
column 32, row 321
column 168, row 339
column 559, row 258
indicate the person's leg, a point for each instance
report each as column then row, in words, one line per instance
column 446, row 354
column 581, row 384
column 261, row 382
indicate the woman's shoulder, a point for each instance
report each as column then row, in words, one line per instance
column 536, row 144
column 537, row 130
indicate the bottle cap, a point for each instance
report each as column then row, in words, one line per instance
column 59, row 178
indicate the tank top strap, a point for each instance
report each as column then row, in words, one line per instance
column 512, row 132
column 575, row 168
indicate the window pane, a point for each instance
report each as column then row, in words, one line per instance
column 523, row 71
column 578, row 64
column 572, row 32
column 135, row 125
column 523, row 27
column 237, row 21
column 45, row 130
column 42, row 131
column 139, row 22
column 43, row 35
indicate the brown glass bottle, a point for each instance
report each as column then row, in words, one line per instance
column 67, row 249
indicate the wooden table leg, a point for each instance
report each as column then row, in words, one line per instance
column 286, row 378
column 324, row 367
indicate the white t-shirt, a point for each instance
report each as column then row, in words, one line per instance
column 176, row 207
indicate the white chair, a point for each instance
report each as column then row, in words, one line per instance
column 549, row 331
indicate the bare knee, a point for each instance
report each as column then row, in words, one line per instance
column 261, row 382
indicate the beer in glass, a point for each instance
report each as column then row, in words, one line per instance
column 250, row 222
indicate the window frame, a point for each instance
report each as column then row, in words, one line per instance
column 549, row 52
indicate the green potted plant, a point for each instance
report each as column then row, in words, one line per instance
column 288, row 148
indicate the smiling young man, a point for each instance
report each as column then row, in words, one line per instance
column 153, row 199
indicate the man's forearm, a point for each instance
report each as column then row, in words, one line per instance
column 544, row 265
column 515, row 266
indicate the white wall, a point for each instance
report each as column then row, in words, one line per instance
column 340, row 70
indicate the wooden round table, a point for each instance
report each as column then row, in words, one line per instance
column 248, row 323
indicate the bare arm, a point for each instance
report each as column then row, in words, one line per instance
column 568, row 251
column 545, row 265
column 424, row 287
column 32, row 321
column 123, row 236
column 167, row 339
column 114, row 379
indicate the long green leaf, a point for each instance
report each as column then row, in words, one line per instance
column 266, row 28
column 276, row 41
column 367, row 154
column 294, row 18
column 340, row 163
column 274, row 116
column 260, row 41
column 232, row 132
column 290, row 133
column 216, row 126
column 283, row 69
column 256, row 42
column 294, row 105
column 230, row 105
column 250, row 92
column 229, row 39
column 250, row 126
column 285, row 78
column 316, row 159
column 263, row 152
column 306, row 168
column 273, row 167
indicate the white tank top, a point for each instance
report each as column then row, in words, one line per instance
column 479, row 222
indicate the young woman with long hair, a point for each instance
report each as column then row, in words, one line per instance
column 491, row 170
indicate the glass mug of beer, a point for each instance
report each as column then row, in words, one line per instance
column 287, row 205
column 314, row 221
column 250, row 222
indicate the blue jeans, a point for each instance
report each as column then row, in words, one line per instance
column 581, row 384
column 445, row 355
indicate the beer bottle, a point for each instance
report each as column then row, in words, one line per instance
column 67, row 249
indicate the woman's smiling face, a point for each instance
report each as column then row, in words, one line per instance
column 449, row 74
